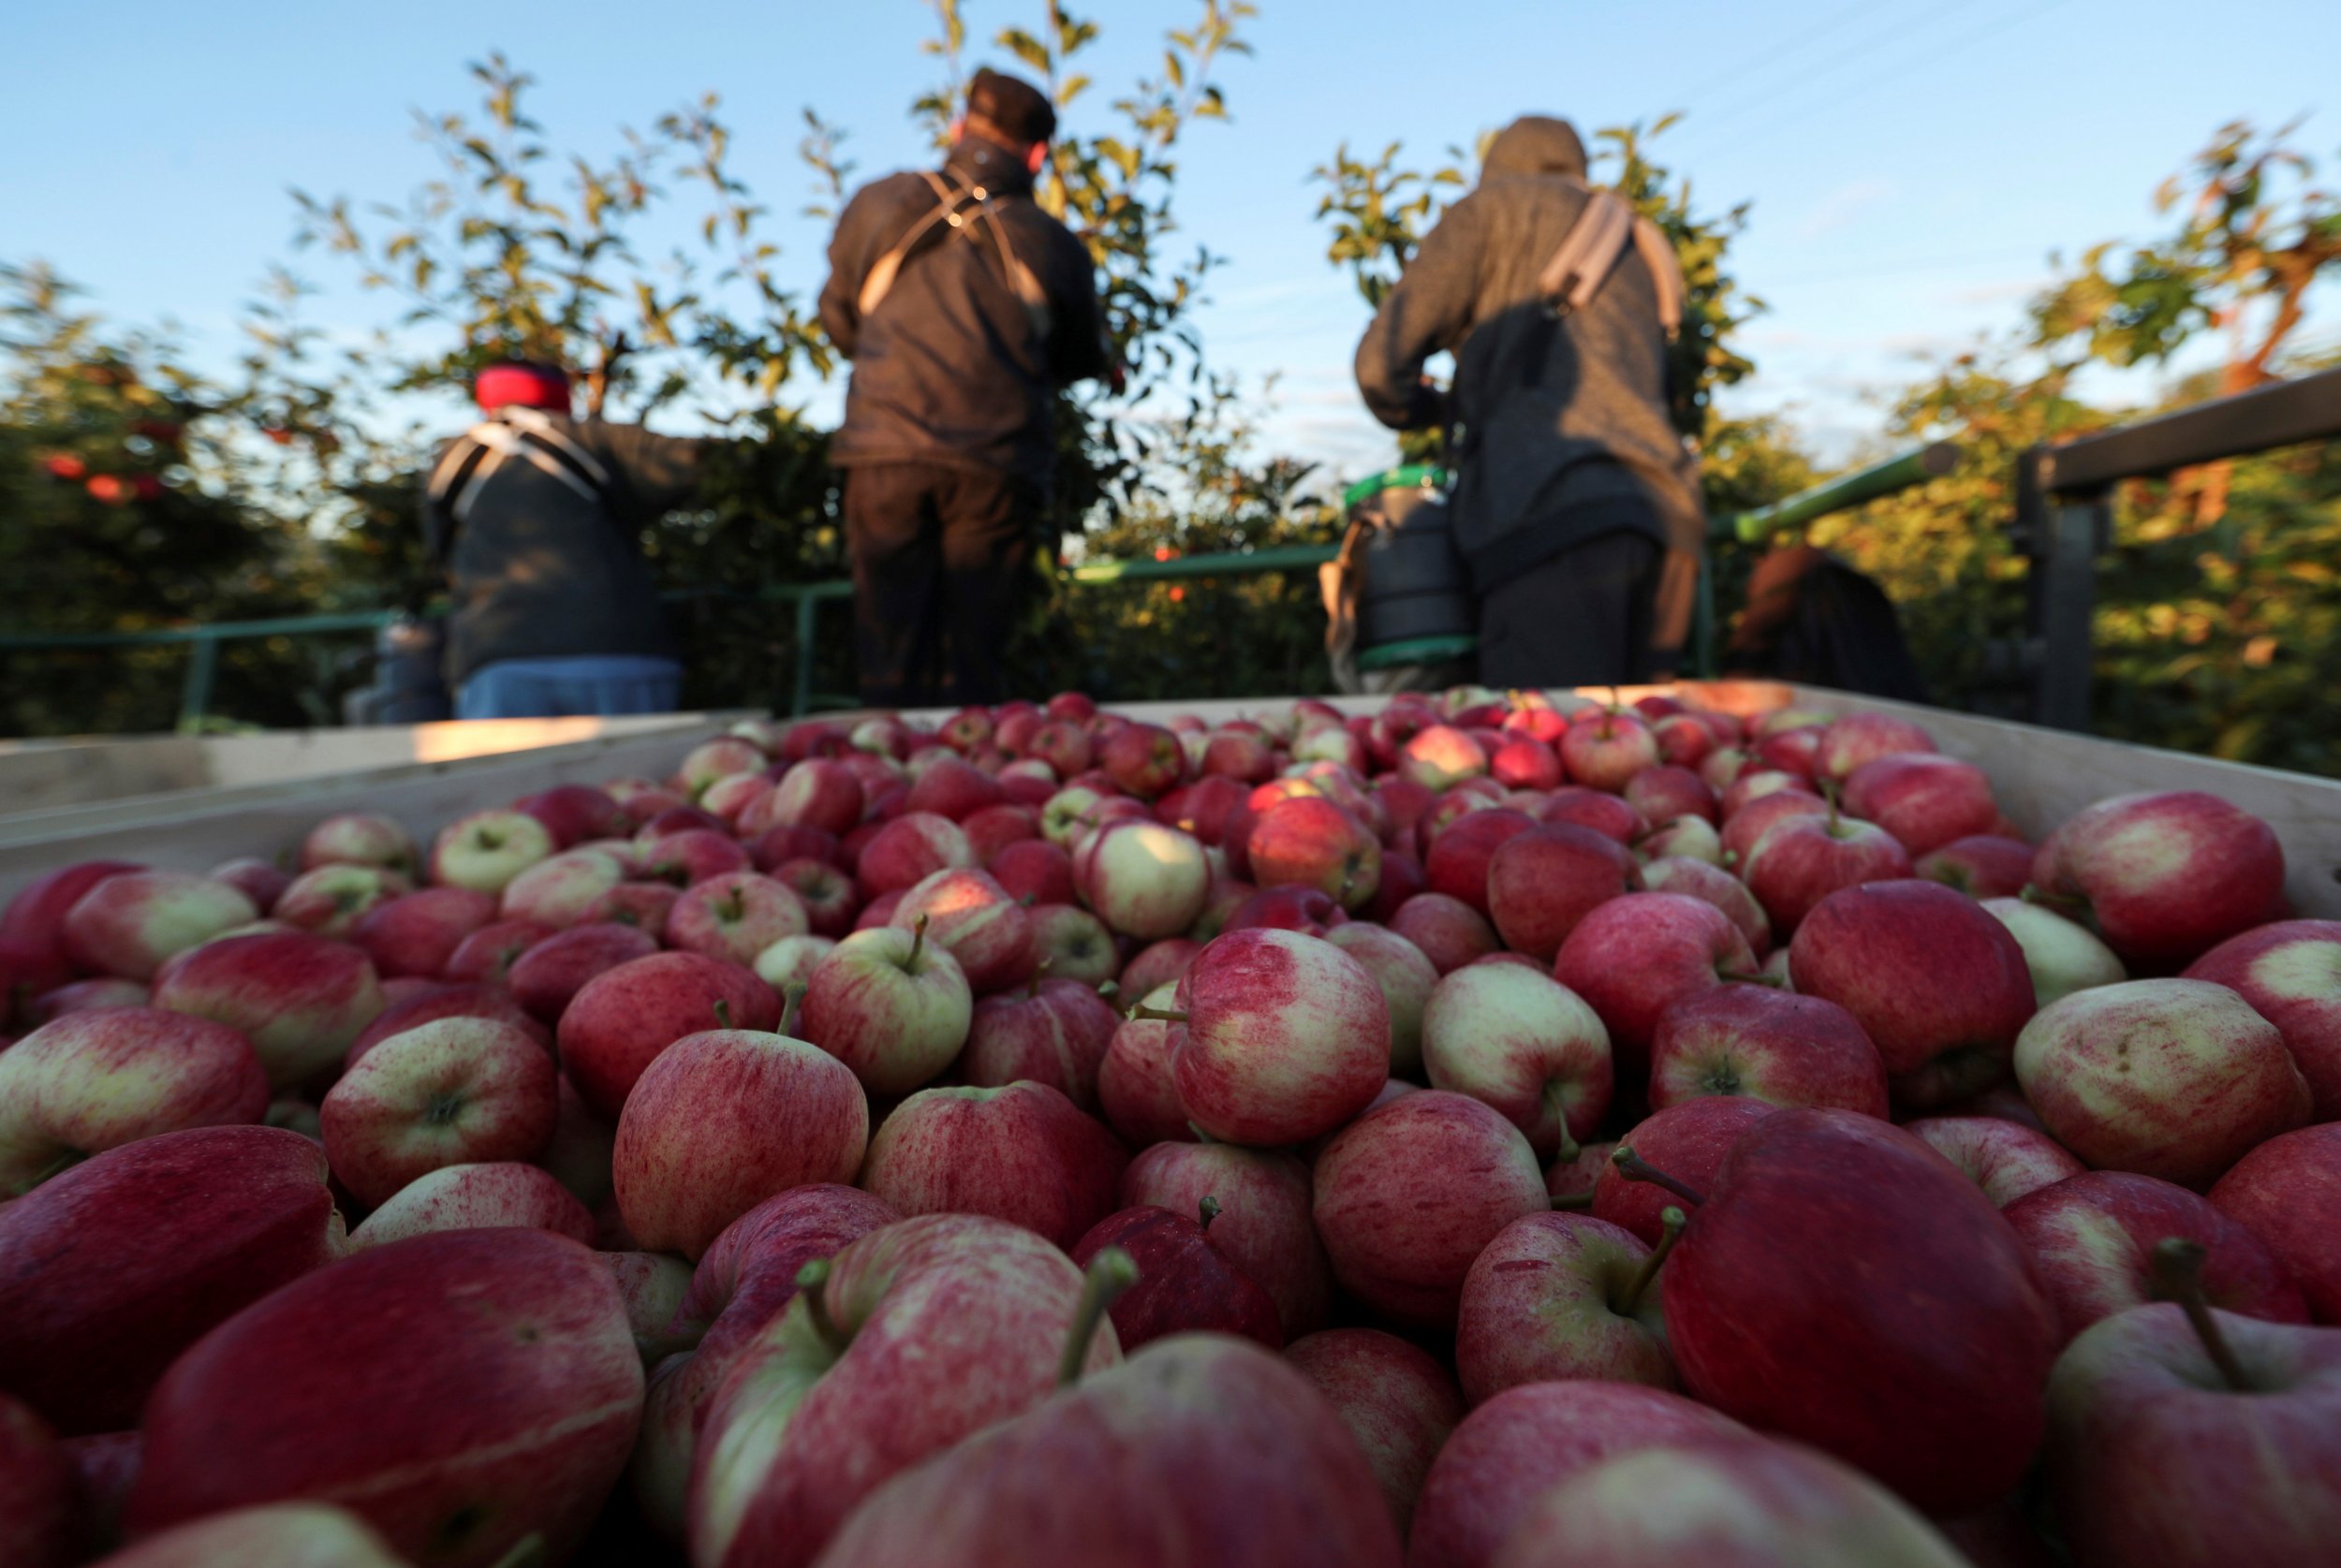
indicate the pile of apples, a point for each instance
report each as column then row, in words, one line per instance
column 1498, row 1132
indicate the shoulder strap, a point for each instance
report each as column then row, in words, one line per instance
column 1581, row 263
column 880, row 281
column 1666, row 274
column 524, row 433
column 958, row 207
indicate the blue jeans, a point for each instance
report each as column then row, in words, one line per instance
column 595, row 684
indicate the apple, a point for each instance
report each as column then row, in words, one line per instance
column 1983, row 866
column 734, row 917
column 1949, row 1415
column 416, row 933
column 951, row 788
column 2166, row 877
column 1408, row 1196
column 1925, row 800
column 487, row 849
column 1940, row 986
column 1687, row 838
column 1791, row 751
column 792, row 961
column 454, row 1092
column 1749, row 1501
column 1024, row 1153
column 1063, row 746
column 2093, row 1237
column 477, row 1196
column 330, row 901
column 971, row 917
column 2174, row 1078
column 558, row 889
column 1526, row 1441
column 1772, row 1046
column 1541, row 882
column 1034, row 868
column 916, row 1337
column 1137, row 1082
column 2174, row 1443
column 1286, row 909
column 2286, row 1192
column 500, row 1381
column 908, row 850
column 1516, row 1039
column 1747, row 822
column 447, row 1002
column 1460, row 856
column 1068, row 943
column 1145, row 879
column 2062, row 956
column 1634, row 956
column 1161, row 963
column 548, row 977
column 300, row 999
column 1688, row 1141
column 89, row 1081
column 1142, row 759
column 1721, row 766
column 1264, row 1225
column 111, row 1268
column 576, row 814
column 1397, row 965
column 890, row 1005
column 360, row 839
column 1666, row 792
column 1052, row 1031
column 1283, row 1037
column 1184, row 1284
column 272, row 1535
column 814, row 793
column 1844, row 744
column 691, row 855
column 1557, row 1297
column 1204, row 1449
column 618, row 1023
column 1799, row 860
column 1699, row 879
column 2006, row 1159
column 127, row 924
column 1526, row 763
column 258, row 880
column 714, row 759
column 1397, row 1400
column 1309, row 842
column 1449, row 932
column 724, row 1120
column 1602, row 753
column 85, row 996
column 2290, row 973
column 1229, row 753
column 490, row 952
column 1440, row 757
column 746, row 1278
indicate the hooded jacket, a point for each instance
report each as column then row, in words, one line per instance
column 948, row 369
column 1564, row 427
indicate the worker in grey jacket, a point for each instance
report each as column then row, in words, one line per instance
column 1577, row 505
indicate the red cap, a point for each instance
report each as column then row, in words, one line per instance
column 529, row 386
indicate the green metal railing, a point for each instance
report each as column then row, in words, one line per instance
column 806, row 598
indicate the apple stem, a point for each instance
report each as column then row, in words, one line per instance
column 527, row 1552
column 1109, row 1273
column 723, row 1013
column 1751, row 978
column 1635, row 1169
column 1157, row 1015
column 1574, row 1201
column 1208, row 1209
column 1109, row 990
column 918, row 941
column 1039, row 971
column 2178, row 1277
column 813, row 1283
column 1673, row 1220
column 792, row 1001
column 1554, row 1101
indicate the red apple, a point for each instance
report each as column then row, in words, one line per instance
column 926, row 1331
column 1402, row 971
column 1516, row 1039
column 109, row 1271
column 1527, row 1439
column 1926, row 1366
column 1560, row 1296
column 1688, row 1141
column 792, row 959
column 818, row 792
column 1638, row 954
column 1022, row 1153
column 1161, row 963
column 1767, row 1045
column 490, row 952
column 487, row 849
column 1034, row 868
column 1745, row 823
column 1184, row 1284
column 548, row 977
column 1143, row 879
column 976, row 921
column 2290, row 973
column 127, row 924
column 734, row 916
column 258, row 880
column 91, row 1081
column 85, row 996
column 1700, row 880
column 501, row 1383
column 1264, row 1225
column 1310, row 842
column 2174, row 1078
column 1603, row 751
column 450, row 1002
column 617, row 1025
column 360, row 839
column 485, row 1197
column 1449, row 932
column 559, row 889
column 1285, row 909
column 1440, row 757
column 1408, row 1196
column 2006, row 1159
column 1526, row 763
column 300, row 999
column 1397, row 1400
column 1070, row 943
column 1541, row 882
column 1801, row 861
column 576, row 814
column 418, row 932
column 2093, row 1237
column 1984, row 866
column 1939, row 985
column 456, row 1091
column 1923, row 799
column 1283, row 1037
column 1052, row 1031
column 889, row 1004
column 1142, row 759
column 1138, row 1088
column 37, row 913
column 723, row 1121
column 2288, row 1193
column 1460, row 855
column 951, row 788
column 2165, row 877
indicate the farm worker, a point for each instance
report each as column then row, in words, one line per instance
column 964, row 308
column 536, row 520
column 1577, row 507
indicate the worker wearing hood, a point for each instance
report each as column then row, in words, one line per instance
column 1577, row 505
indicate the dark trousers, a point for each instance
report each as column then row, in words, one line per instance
column 939, row 561
column 1580, row 618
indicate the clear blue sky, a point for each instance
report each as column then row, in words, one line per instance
column 1909, row 165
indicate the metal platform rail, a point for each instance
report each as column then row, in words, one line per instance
column 2064, row 512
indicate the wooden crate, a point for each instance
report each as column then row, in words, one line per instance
column 2042, row 777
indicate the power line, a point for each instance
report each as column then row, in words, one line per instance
column 1739, row 74
column 1859, row 51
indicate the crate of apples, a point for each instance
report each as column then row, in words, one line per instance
column 1488, row 1133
